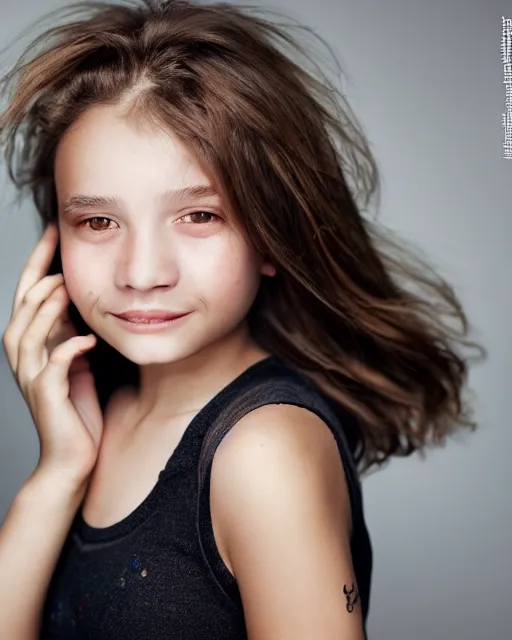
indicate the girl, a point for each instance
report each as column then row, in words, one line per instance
column 212, row 342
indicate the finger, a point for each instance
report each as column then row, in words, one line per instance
column 79, row 365
column 62, row 329
column 37, row 264
column 25, row 314
column 55, row 376
column 33, row 349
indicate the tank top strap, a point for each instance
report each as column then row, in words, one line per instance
column 275, row 384
column 286, row 388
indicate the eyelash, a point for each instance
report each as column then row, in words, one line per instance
column 215, row 217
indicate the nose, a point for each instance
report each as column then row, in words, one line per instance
column 146, row 261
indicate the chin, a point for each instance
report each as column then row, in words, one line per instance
column 166, row 347
column 150, row 350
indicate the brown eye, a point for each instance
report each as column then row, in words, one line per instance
column 98, row 223
column 201, row 217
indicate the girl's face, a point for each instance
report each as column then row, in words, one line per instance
column 129, row 242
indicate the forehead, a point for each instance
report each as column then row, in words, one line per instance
column 104, row 152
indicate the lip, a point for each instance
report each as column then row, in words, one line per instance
column 145, row 315
column 149, row 321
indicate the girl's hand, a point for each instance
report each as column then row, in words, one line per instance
column 41, row 345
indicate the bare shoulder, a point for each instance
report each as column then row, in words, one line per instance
column 282, row 444
column 282, row 514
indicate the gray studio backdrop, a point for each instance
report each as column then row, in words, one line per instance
column 425, row 79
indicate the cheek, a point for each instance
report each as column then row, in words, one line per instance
column 228, row 274
column 82, row 283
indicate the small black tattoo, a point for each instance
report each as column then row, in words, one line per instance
column 352, row 597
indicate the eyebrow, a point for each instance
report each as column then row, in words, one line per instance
column 172, row 195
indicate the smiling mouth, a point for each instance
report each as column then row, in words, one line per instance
column 150, row 317
column 148, row 322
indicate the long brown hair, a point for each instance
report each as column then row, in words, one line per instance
column 353, row 310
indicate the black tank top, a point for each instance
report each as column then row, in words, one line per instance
column 158, row 573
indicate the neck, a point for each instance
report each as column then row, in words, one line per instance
column 172, row 389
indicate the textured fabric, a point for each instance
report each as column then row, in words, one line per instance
column 158, row 573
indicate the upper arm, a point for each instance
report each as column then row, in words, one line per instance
column 282, row 508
